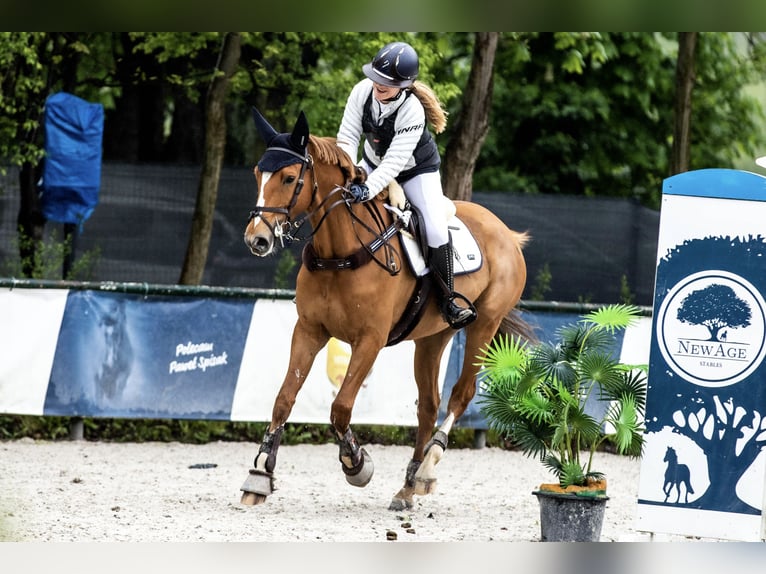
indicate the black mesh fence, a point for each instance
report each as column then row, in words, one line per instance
column 582, row 249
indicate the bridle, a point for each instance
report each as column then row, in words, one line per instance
column 288, row 229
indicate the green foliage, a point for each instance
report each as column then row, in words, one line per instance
column 22, row 91
column 536, row 395
column 592, row 114
column 47, row 259
column 587, row 113
column 542, row 284
column 14, row 427
column 626, row 296
column 285, row 265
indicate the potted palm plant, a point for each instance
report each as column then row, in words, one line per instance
column 537, row 395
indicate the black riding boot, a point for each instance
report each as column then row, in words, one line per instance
column 440, row 262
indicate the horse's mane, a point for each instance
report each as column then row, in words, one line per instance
column 324, row 150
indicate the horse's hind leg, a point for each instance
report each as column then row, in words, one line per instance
column 423, row 480
column 420, row 476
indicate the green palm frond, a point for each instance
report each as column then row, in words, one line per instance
column 498, row 405
column 613, row 317
column 549, row 363
column 628, row 430
column 531, row 441
column 535, row 407
column 553, row 464
column 599, row 367
column 502, row 358
column 629, row 383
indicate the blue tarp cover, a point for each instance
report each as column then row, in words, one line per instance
column 72, row 167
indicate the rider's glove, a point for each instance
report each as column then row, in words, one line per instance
column 359, row 191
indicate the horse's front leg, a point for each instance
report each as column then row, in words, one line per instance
column 355, row 461
column 306, row 343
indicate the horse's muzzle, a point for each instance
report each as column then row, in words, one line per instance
column 259, row 244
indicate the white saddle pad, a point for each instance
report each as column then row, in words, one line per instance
column 466, row 256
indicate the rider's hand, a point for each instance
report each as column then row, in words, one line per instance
column 359, row 192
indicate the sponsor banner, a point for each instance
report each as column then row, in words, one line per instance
column 702, row 472
column 138, row 356
column 109, row 354
column 29, row 328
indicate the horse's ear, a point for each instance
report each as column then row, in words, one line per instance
column 264, row 128
column 300, row 136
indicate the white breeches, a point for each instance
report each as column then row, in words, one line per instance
column 424, row 191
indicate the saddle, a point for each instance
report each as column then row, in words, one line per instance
column 466, row 254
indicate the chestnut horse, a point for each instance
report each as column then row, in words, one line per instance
column 354, row 287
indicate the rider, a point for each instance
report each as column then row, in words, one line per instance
column 391, row 108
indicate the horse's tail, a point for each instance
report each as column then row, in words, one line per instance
column 522, row 238
column 514, row 325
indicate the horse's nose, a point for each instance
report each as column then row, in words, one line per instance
column 258, row 244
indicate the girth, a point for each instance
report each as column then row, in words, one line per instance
column 412, row 312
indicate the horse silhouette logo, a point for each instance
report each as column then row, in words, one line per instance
column 675, row 476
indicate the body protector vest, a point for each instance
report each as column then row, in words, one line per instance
column 426, row 153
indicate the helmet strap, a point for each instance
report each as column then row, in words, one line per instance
column 396, row 97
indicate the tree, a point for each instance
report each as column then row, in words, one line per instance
column 215, row 140
column 472, row 125
column 716, row 307
column 731, row 436
column 592, row 113
column 687, row 44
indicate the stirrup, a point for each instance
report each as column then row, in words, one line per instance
column 464, row 315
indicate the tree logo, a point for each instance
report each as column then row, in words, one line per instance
column 711, row 327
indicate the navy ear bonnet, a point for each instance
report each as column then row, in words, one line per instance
column 282, row 149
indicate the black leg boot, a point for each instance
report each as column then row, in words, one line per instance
column 440, row 262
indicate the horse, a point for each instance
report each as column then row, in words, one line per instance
column 676, row 475
column 353, row 286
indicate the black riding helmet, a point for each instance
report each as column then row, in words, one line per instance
column 395, row 65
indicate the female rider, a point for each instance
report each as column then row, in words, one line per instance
column 391, row 109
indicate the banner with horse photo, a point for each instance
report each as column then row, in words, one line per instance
column 147, row 356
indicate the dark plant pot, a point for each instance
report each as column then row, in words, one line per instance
column 570, row 518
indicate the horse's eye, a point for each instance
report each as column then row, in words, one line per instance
column 289, row 179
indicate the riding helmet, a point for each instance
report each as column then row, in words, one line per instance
column 395, row 65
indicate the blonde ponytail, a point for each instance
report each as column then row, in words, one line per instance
column 435, row 113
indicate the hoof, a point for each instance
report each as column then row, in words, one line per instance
column 425, row 486
column 400, row 504
column 363, row 477
column 252, row 499
column 257, row 487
